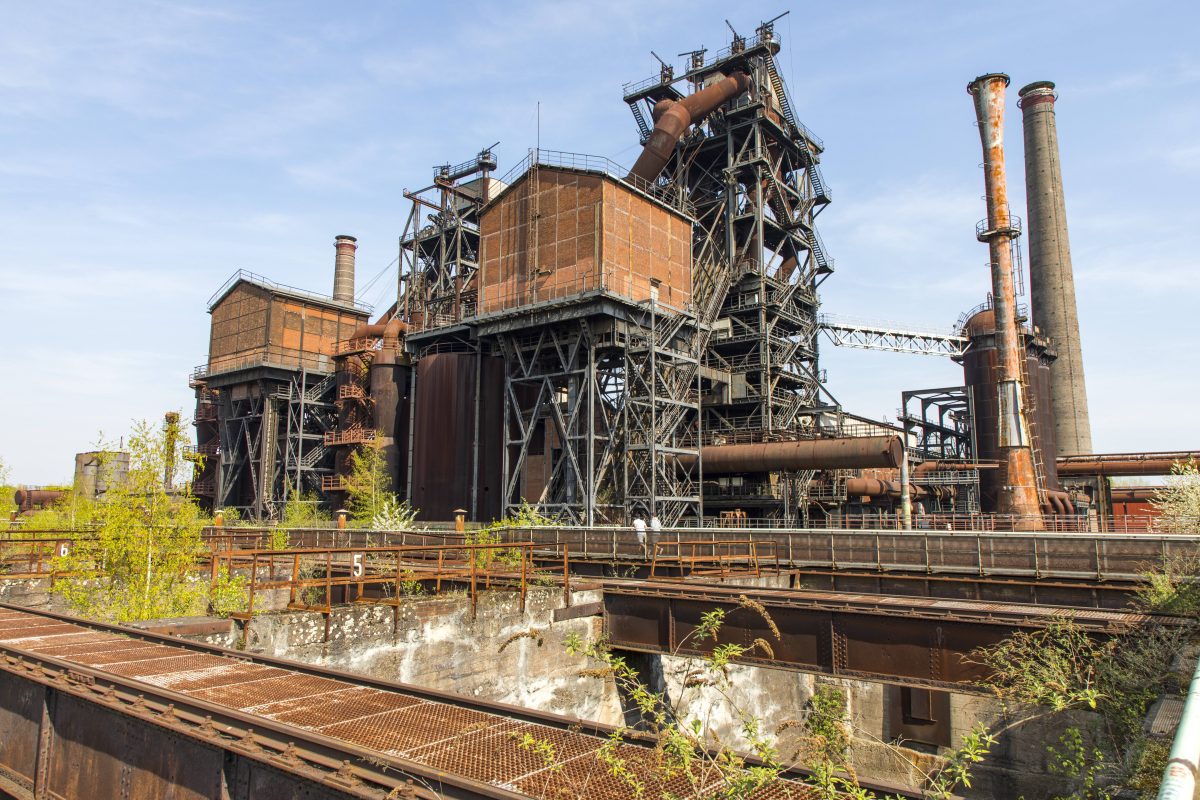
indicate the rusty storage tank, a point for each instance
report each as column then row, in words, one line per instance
column 981, row 373
column 29, row 500
column 458, row 413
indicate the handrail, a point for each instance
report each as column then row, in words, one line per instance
column 267, row 283
column 1179, row 777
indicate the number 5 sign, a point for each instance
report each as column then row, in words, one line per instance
column 356, row 565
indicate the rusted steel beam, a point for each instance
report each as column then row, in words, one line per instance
column 914, row 641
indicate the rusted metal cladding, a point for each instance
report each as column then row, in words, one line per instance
column 444, row 451
column 490, row 501
column 253, row 325
column 848, row 453
column 981, row 372
column 558, row 233
column 27, row 500
column 389, row 399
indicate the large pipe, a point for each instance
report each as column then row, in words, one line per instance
column 1020, row 494
column 1136, row 494
column 860, row 452
column 951, row 466
column 1119, row 466
column 674, row 118
column 343, row 269
column 1051, row 281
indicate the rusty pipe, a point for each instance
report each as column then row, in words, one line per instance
column 860, row 452
column 1136, row 494
column 951, row 466
column 673, row 121
column 1113, row 467
column 874, row 487
column 1020, row 495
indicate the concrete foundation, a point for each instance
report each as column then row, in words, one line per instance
column 433, row 642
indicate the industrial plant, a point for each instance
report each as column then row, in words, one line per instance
column 631, row 545
column 606, row 344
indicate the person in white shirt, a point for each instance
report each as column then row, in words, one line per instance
column 639, row 527
column 655, row 523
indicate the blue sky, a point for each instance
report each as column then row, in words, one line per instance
column 149, row 149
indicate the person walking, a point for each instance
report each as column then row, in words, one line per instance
column 639, row 527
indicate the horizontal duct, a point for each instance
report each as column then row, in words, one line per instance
column 859, row 452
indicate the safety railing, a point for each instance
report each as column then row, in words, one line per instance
column 267, row 283
column 589, row 163
column 24, row 557
column 349, row 436
column 1084, row 556
column 317, row 578
column 360, row 345
column 721, row 559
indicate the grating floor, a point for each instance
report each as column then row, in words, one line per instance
column 528, row 758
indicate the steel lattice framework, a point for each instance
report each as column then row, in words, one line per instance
column 893, row 339
column 272, row 435
column 751, row 172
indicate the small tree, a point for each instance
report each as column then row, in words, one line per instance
column 6, row 491
column 140, row 563
column 369, row 484
column 1178, row 504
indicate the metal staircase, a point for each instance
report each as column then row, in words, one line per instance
column 640, row 119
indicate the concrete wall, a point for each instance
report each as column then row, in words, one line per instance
column 434, row 643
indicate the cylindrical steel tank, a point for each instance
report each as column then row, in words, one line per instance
column 1051, row 279
column 28, row 500
column 981, row 373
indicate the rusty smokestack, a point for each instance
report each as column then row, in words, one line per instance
column 1051, row 280
column 672, row 119
column 1019, row 495
column 343, row 269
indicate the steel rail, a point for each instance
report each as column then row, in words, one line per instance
column 338, row 763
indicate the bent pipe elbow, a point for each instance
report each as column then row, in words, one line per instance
column 673, row 119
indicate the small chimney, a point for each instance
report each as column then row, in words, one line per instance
column 343, row 269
